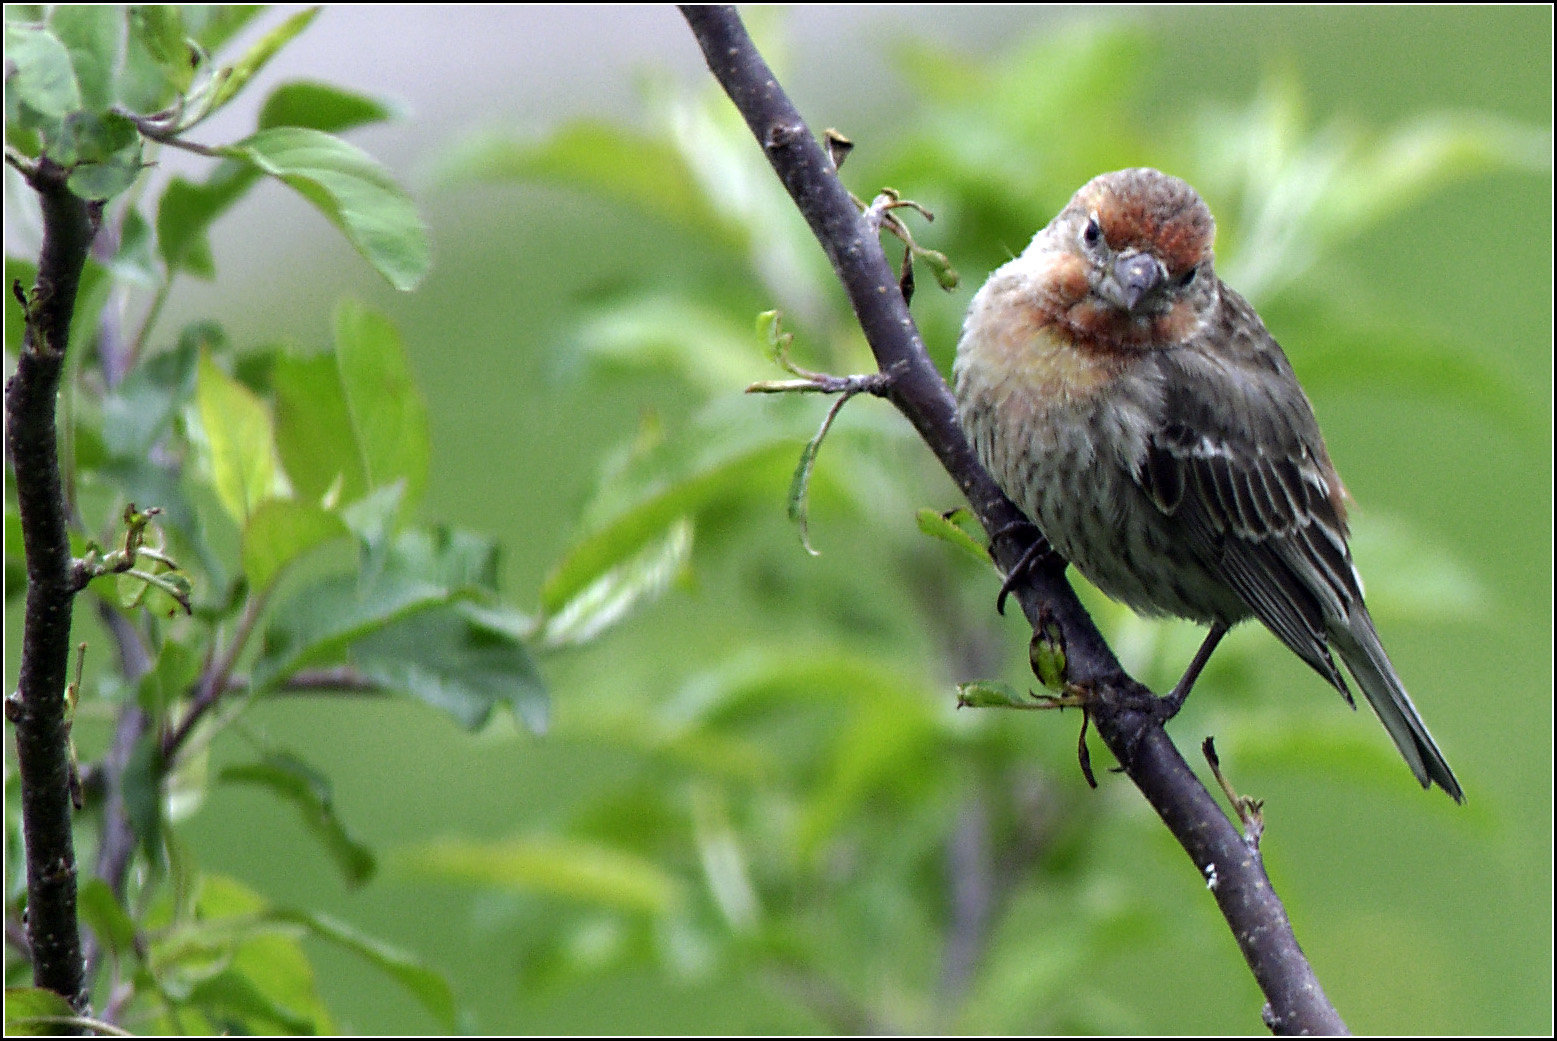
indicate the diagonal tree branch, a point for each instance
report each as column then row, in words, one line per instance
column 38, row 707
column 1126, row 713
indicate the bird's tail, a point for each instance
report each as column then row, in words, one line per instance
column 1359, row 647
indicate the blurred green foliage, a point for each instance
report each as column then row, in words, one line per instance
column 883, row 862
column 757, row 807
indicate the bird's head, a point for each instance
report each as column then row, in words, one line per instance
column 1129, row 262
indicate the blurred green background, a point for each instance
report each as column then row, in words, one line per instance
column 756, row 809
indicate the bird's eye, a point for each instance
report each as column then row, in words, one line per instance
column 1187, row 279
column 1092, row 234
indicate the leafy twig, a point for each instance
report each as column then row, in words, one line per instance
column 811, row 382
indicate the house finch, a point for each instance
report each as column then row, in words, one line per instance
column 1140, row 415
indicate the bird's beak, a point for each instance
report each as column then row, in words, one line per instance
column 1131, row 278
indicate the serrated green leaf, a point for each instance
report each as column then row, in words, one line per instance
column 565, row 868
column 446, row 657
column 388, row 415
column 311, row 793
column 424, row 984
column 281, row 531
column 234, row 78
column 240, row 440
column 321, row 106
column 102, row 151
column 39, row 73
column 352, row 190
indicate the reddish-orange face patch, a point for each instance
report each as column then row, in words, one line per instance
column 1155, row 214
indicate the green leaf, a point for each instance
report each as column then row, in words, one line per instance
column 797, row 500
column 186, row 210
column 571, row 869
column 104, row 180
column 316, row 625
column 320, row 106
column 279, row 532
column 314, row 435
column 212, row 25
column 39, row 73
column 352, row 190
column 1046, row 653
column 422, row 983
column 234, row 78
column 102, row 150
column 15, row 553
column 94, row 36
column 35, row 1012
column 451, row 659
column 704, row 345
column 159, row 29
column 239, row 438
column 637, row 169
column 714, row 460
column 416, row 572
column 233, row 1000
column 140, row 411
column 171, row 679
column 993, row 694
column 142, row 784
column 101, row 912
column 953, row 527
column 24, row 271
column 312, row 794
column 388, row 415
column 613, row 596
column 134, row 262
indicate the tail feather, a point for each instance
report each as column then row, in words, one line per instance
column 1359, row 647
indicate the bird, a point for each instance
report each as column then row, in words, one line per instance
column 1138, row 412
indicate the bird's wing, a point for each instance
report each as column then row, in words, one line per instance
column 1239, row 457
